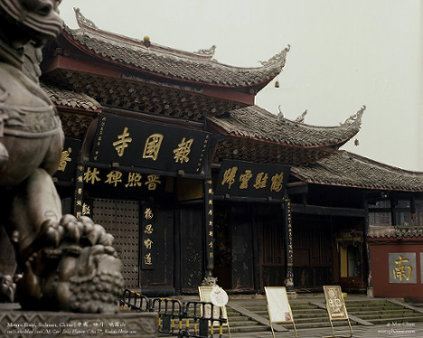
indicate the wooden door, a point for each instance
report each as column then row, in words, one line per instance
column 191, row 248
column 242, row 248
column 271, row 247
column 121, row 219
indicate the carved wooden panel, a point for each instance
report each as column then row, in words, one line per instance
column 121, row 219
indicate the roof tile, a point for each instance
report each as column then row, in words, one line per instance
column 347, row 169
column 257, row 123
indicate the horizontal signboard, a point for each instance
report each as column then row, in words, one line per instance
column 130, row 142
column 245, row 179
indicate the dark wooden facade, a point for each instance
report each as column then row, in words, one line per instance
column 254, row 205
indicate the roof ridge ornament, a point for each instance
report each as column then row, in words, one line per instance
column 82, row 20
column 354, row 119
column 301, row 118
column 207, row 51
column 278, row 58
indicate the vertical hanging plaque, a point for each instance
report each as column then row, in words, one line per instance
column 148, row 240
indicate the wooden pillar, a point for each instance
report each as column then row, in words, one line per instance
column 289, row 250
column 209, row 228
column 413, row 212
column 393, row 211
column 208, row 204
column 256, row 265
column 366, row 245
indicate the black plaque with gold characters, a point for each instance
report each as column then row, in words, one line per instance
column 130, row 142
column 67, row 165
column 245, row 179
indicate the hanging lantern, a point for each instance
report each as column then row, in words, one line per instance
column 147, row 42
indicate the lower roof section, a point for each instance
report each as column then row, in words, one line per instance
column 258, row 124
column 351, row 170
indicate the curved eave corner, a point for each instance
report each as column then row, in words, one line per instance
column 238, row 126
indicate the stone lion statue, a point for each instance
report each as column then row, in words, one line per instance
column 65, row 263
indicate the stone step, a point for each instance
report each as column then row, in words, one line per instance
column 398, row 319
column 372, row 305
column 370, row 317
column 263, row 306
column 239, row 329
column 361, row 308
column 309, row 316
column 381, row 312
column 306, row 325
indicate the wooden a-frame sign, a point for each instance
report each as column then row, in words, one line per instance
column 278, row 307
column 335, row 306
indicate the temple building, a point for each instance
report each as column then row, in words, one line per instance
column 168, row 151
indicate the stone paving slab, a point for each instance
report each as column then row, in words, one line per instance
column 394, row 330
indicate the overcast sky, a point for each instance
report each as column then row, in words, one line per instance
column 344, row 54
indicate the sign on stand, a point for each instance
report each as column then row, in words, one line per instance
column 219, row 298
column 278, row 307
column 335, row 306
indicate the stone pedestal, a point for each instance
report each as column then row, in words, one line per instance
column 17, row 323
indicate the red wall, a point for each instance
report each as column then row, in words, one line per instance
column 379, row 263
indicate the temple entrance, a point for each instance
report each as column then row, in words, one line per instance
column 350, row 259
column 313, row 252
column 147, row 255
column 191, row 265
column 271, row 237
column 234, row 247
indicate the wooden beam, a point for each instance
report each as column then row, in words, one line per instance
column 229, row 94
column 297, row 188
column 80, row 66
column 327, row 211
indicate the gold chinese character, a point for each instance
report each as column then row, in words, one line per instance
column 114, row 177
column 211, row 245
column 147, row 259
column 402, row 271
column 152, row 182
column 149, row 229
column 152, row 146
column 229, row 176
column 86, row 210
column 183, row 150
column 134, row 180
column 122, row 142
column 277, row 182
column 148, row 214
column 244, row 179
column 148, row 243
column 261, row 180
column 91, row 176
column 64, row 159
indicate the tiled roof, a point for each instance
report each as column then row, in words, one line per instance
column 395, row 232
column 174, row 64
column 257, row 123
column 67, row 98
column 347, row 169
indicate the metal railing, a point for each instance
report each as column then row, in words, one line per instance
column 190, row 319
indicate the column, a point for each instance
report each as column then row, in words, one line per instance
column 289, row 251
